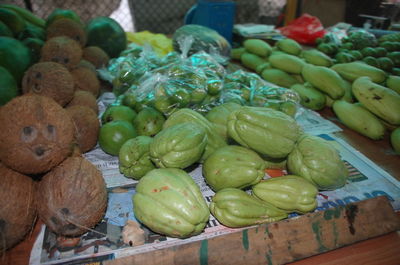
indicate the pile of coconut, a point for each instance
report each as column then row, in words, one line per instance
column 44, row 133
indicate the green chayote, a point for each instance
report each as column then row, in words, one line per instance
column 168, row 201
column 268, row 132
column 148, row 121
column 316, row 160
column 219, row 117
column 233, row 166
column 290, row 193
column 236, row 208
column 134, row 157
column 179, row 146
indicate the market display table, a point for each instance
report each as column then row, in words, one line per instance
column 371, row 218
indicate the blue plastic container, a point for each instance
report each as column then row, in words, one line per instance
column 217, row 15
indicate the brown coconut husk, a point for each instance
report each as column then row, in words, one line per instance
column 84, row 98
column 49, row 79
column 63, row 50
column 17, row 208
column 96, row 55
column 87, row 64
column 87, row 126
column 36, row 134
column 67, row 27
column 86, row 80
column 72, row 198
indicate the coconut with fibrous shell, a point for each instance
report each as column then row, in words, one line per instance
column 86, row 79
column 84, row 98
column 63, row 50
column 67, row 27
column 72, row 198
column 36, row 134
column 17, row 208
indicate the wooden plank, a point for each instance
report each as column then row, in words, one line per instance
column 285, row 241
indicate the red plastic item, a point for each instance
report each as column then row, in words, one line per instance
column 305, row 29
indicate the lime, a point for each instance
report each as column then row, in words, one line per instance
column 118, row 112
column 114, row 134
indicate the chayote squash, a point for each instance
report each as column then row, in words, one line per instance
column 270, row 132
column 148, row 121
column 316, row 160
column 219, row 117
column 179, row 146
column 233, row 166
column 169, row 202
column 134, row 157
column 236, row 208
column 214, row 140
column 290, row 193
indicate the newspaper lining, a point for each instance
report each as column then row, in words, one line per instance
column 366, row 180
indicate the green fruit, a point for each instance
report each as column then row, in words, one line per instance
column 356, row 54
column 310, row 97
column 395, row 140
column 180, row 97
column 395, row 57
column 5, row 31
column 317, row 160
column 169, row 202
column 114, row 134
column 62, row 13
column 148, row 121
column 393, row 82
column 368, row 51
column 134, row 157
column 278, row 77
column 32, row 31
column 258, row 47
column 371, row 61
column 347, row 45
column 237, row 52
column 289, row 108
column 12, row 19
column 219, row 117
column 233, row 166
column 35, row 46
column 385, row 63
column 316, row 57
column 287, row 63
column 118, row 112
column 380, row 51
column 129, row 100
column 198, row 96
column 107, row 34
column 344, row 57
column 352, row 71
column 15, row 57
column 214, row 87
column 289, row 46
column 236, row 208
column 290, row 193
column 164, row 105
column 8, row 86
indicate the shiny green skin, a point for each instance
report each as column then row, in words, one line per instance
column 269, row 132
column 288, row 63
column 310, row 97
column 169, row 202
column 134, row 157
column 236, row 208
column 149, row 121
column 317, row 160
column 178, row 146
column 395, row 140
column 315, row 57
column 290, row 193
column 114, row 134
column 118, row 112
column 219, row 117
column 393, row 82
column 214, row 140
column 289, row 46
column 352, row 71
column 233, row 166
column 15, row 57
column 59, row 13
column 278, row 77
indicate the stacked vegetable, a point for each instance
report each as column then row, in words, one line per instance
column 357, row 78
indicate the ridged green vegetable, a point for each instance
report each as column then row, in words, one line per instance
column 269, row 132
column 380, row 100
column 315, row 57
column 352, row 71
column 310, row 97
column 393, row 82
column 258, row 47
column 286, row 62
column 179, row 146
column 219, row 117
column 324, row 79
column 236, row 208
column 289, row 46
column 233, row 166
column 214, row 140
column 317, row 160
column 169, row 202
column 134, row 157
column 290, row 193
column 278, row 77
column 359, row 119
column 395, row 140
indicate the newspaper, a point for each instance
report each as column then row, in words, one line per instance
column 105, row 242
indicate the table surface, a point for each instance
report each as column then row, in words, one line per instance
column 380, row 250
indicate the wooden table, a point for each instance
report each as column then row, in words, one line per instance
column 380, row 250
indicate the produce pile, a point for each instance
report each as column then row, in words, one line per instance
column 183, row 110
column 49, row 118
column 358, row 77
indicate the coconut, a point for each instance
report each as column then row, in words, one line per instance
column 87, row 126
column 85, row 79
column 63, row 50
column 72, row 197
column 17, row 209
column 49, row 79
column 67, row 27
column 87, row 64
column 36, row 134
column 84, row 98
column 96, row 55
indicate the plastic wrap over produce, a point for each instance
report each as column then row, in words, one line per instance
column 199, row 81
